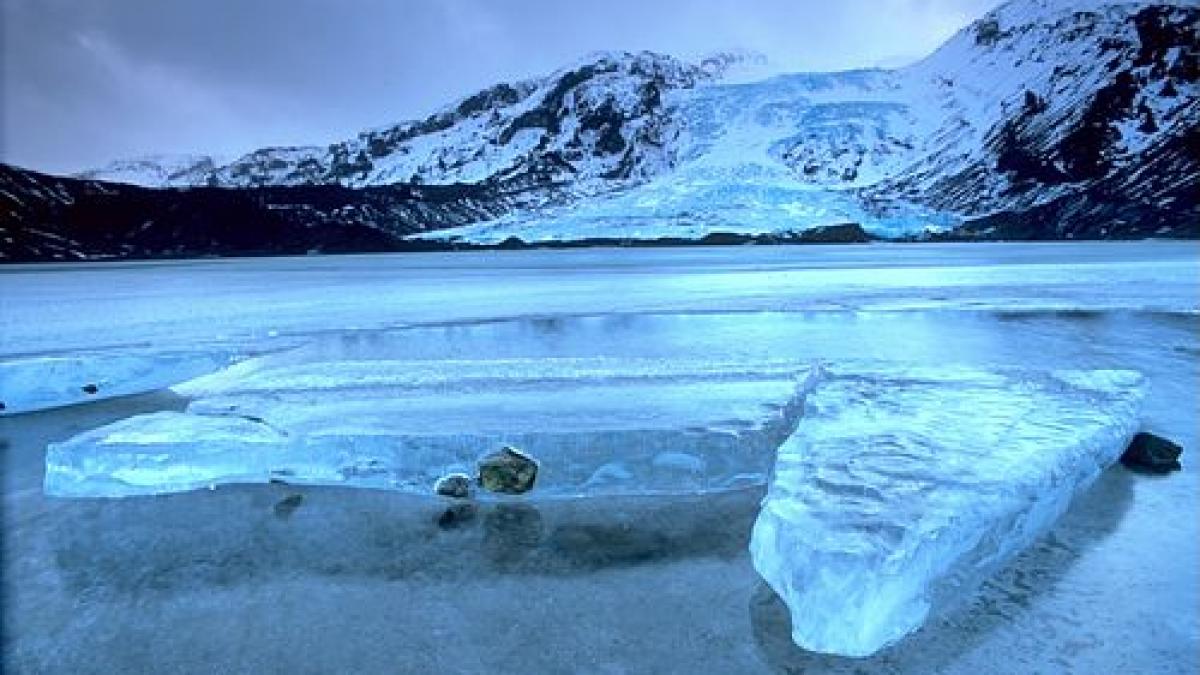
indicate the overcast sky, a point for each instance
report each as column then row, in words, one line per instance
column 87, row 81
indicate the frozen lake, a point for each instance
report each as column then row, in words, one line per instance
column 343, row 580
column 56, row 307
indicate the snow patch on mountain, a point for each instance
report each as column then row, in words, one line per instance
column 157, row 170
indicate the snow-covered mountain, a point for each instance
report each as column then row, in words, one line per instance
column 1038, row 104
column 1043, row 119
column 602, row 119
column 157, row 170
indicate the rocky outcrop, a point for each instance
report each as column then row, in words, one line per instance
column 51, row 218
column 1152, row 454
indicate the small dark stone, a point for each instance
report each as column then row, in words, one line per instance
column 508, row 471
column 2, row 406
column 456, row 516
column 288, row 505
column 1152, row 453
column 455, row 485
column 987, row 31
column 90, row 388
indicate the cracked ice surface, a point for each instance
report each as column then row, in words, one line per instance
column 597, row 426
column 905, row 488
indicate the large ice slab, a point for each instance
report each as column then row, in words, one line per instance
column 903, row 489
column 596, row 425
column 40, row 382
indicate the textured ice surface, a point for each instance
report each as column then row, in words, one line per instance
column 903, row 489
column 40, row 382
column 596, row 425
column 241, row 301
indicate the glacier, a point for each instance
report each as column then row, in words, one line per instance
column 32, row 383
column 597, row 426
column 907, row 487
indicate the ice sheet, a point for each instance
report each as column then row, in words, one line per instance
column 82, row 306
column 597, row 426
column 40, row 382
column 904, row 488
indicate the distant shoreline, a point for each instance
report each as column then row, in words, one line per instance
column 820, row 236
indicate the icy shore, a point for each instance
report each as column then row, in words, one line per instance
column 893, row 489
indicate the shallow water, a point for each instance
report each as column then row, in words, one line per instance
column 276, row 578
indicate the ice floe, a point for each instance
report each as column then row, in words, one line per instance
column 904, row 488
column 597, row 426
column 893, row 490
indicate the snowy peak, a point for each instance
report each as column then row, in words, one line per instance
column 602, row 117
column 1045, row 97
column 599, row 119
column 733, row 66
column 157, row 170
column 1041, row 119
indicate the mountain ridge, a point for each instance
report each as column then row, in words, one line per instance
column 1040, row 120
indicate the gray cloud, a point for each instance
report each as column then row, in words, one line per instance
column 86, row 81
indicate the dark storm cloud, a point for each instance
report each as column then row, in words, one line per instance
column 86, row 81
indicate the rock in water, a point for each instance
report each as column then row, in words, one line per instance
column 456, row 485
column 1152, row 453
column 456, row 516
column 508, row 471
column 511, row 532
column 285, row 507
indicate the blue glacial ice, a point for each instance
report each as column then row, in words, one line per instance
column 596, row 425
column 904, row 488
column 893, row 490
column 40, row 382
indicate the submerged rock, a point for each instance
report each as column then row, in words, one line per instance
column 1152, row 453
column 508, row 471
column 511, row 532
column 285, row 507
column 456, row 516
column 456, row 485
